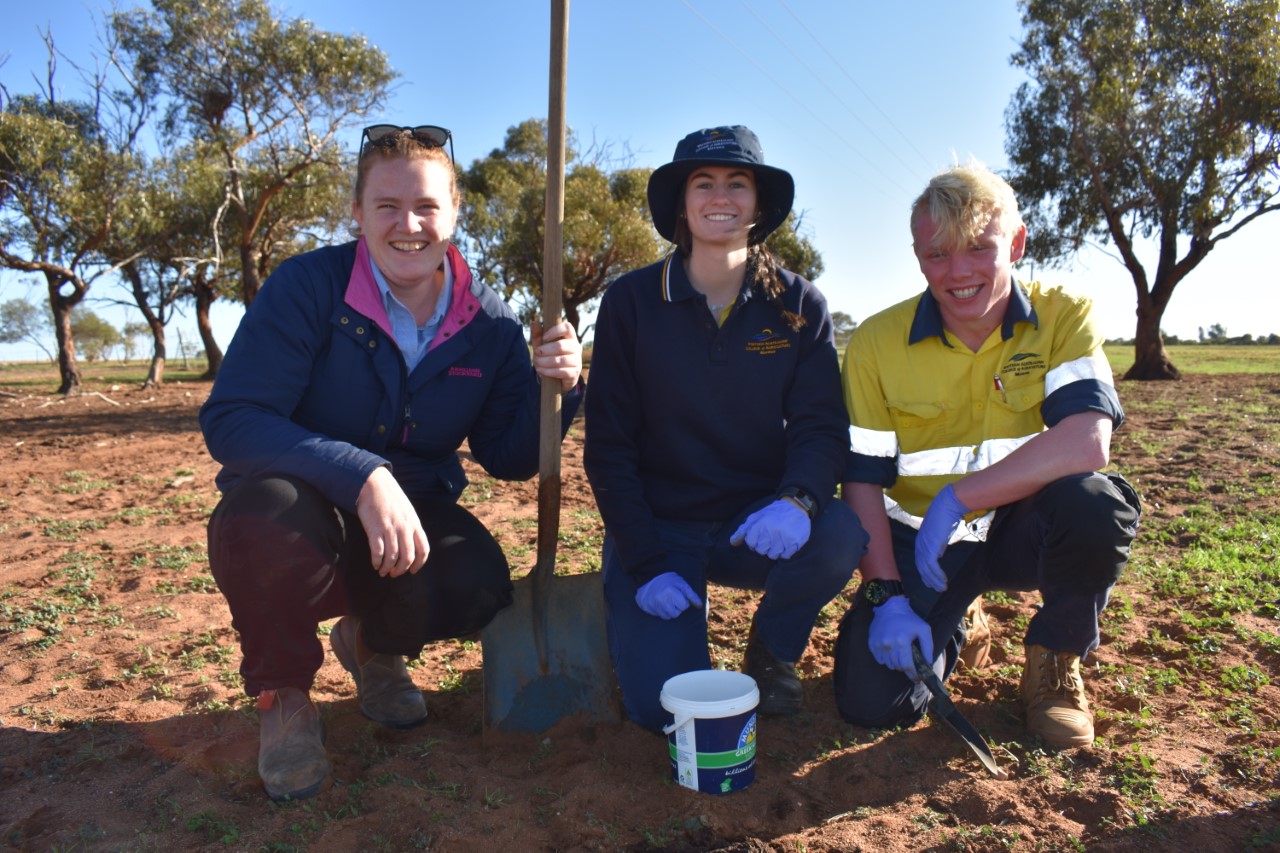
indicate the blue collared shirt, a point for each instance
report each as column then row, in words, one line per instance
column 413, row 340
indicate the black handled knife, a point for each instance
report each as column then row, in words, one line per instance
column 946, row 709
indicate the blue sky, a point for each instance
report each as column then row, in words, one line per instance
column 861, row 102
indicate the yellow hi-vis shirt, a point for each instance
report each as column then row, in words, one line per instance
column 925, row 410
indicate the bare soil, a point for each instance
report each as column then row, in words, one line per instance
column 123, row 726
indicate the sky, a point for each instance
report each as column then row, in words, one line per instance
column 861, row 102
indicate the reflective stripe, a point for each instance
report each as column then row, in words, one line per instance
column 873, row 442
column 1093, row 366
column 957, row 461
column 974, row 531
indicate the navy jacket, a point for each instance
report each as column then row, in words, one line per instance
column 313, row 386
column 691, row 421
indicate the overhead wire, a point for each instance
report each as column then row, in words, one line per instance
column 821, row 80
column 855, row 85
column 835, row 133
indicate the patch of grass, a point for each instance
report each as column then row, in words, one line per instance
column 79, row 482
column 69, row 530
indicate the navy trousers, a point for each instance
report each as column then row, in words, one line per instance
column 1070, row 541
column 647, row 650
column 286, row 559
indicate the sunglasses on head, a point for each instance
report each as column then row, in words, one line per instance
column 427, row 134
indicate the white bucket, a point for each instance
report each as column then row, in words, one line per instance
column 711, row 739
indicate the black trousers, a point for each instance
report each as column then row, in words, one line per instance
column 1070, row 541
column 287, row 559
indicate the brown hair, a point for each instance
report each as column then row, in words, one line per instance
column 762, row 264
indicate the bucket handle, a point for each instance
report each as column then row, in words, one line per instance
column 677, row 723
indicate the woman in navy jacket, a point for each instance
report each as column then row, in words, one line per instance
column 337, row 415
column 716, row 432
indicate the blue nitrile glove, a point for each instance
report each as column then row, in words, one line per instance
column 894, row 625
column 776, row 532
column 944, row 515
column 666, row 596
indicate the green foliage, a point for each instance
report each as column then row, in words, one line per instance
column 606, row 230
column 21, row 320
column 1145, row 121
column 95, row 335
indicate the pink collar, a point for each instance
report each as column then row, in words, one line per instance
column 363, row 294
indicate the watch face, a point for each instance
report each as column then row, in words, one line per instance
column 876, row 593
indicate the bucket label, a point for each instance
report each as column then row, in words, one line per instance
column 709, row 756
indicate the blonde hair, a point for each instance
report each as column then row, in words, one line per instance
column 962, row 201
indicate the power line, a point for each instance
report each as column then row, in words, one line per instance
column 869, row 129
column 855, row 85
column 793, row 98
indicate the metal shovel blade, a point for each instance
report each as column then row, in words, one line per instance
column 950, row 714
column 521, row 694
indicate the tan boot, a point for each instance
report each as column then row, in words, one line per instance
column 291, row 757
column 387, row 694
column 976, row 653
column 1053, row 693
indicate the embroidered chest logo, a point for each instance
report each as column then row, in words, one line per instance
column 1024, row 364
column 472, row 372
column 767, row 342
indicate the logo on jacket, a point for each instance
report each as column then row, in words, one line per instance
column 472, row 372
column 1024, row 364
column 767, row 342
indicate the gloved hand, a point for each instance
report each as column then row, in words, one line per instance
column 776, row 532
column 894, row 625
column 944, row 515
column 666, row 596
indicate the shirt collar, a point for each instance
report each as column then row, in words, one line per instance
column 388, row 298
column 676, row 286
column 928, row 319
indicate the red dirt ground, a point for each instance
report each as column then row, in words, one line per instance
column 122, row 726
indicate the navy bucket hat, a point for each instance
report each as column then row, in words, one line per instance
column 719, row 146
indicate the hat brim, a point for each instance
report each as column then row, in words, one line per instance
column 666, row 185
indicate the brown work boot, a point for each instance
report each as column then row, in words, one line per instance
column 780, row 690
column 386, row 692
column 976, row 653
column 1053, row 693
column 291, row 757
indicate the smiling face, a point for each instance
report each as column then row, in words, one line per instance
column 972, row 281
column 407, row 212
column 720, row 205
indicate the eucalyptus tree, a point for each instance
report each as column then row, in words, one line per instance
column 64, row 177
column 1146, row 121
column 606, row 228
column 266, row 96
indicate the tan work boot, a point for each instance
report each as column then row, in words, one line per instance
column 1053, row 693
column 291, row 757
column 976, row 653
column 387, row 694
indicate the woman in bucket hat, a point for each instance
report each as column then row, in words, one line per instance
column 716, row 432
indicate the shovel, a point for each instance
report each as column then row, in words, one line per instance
column 546, row 656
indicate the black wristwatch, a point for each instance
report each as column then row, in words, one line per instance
column 877, row 591
column 800, row 498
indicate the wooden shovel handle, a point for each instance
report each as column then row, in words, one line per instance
column 552, row 305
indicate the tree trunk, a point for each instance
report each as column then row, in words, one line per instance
column 250, row 281
column 1150, row 359
column 204, row 295
column 61, row 306
column 155, row 375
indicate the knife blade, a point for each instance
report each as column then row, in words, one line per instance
column 943, row 707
